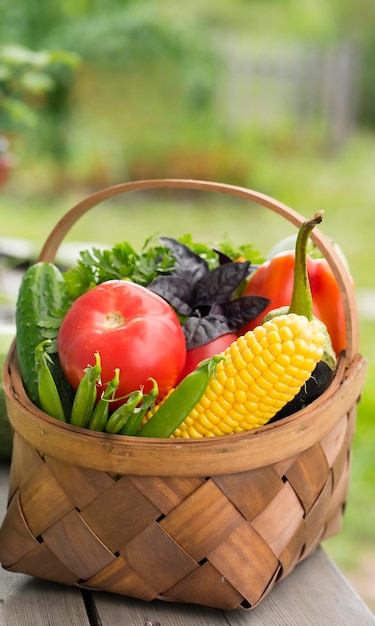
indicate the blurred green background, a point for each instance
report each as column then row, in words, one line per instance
column 274, row 95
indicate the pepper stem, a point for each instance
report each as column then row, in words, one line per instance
column 302, row 302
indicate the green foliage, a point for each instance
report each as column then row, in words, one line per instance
column 124, row 41
column 128, row 34
column 142, row 61
column 367, row 83
column 120, row 262
column 27, row 79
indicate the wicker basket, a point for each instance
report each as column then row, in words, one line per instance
column 215, row 522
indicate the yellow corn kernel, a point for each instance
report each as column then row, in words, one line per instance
column 205, row 402
column 263, row 370
column 240, row 396
column 238, row 362
column 217, row 410
column 270, row 377
column 264, row 385
column 259, row 363
column 230, row 383
column 251, row 407
column 217, row 388
column 289, row 348
column 275, row 349
column 286, row 333
column 240, row 408
column 228, row 396
column 220, row 375
column 240, row 385
column 224, row 404
column 253, row 371
column 247, row 354
column 245, row 376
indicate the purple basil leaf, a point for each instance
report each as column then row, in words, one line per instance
column 239, row 311
column 201, row 330
column 189, row 265
column 223, row 258
column 175, row 290
column 219, row 284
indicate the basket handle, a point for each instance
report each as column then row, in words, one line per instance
column 55, row 238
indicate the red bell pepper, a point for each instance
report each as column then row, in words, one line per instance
column 274, row 280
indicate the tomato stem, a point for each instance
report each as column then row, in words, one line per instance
column 113, row 320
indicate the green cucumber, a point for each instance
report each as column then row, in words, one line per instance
column 42, row 302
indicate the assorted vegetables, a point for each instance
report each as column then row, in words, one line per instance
column 178, row 340
column 262, row 371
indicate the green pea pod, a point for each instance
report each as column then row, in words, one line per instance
column 181, row 401
column 49, row 399
column 85, row 398
column 100, row 413
column 119, row 418
column 135, row 419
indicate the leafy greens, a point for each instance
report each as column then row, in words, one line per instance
column 202, row 283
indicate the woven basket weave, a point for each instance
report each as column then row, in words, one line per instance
column 215, row 522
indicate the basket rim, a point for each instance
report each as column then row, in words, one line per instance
column 228, row 454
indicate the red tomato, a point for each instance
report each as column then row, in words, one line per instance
column 132, row 329
column 196, row 355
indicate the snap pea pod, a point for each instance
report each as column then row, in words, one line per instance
column 100, row 413
column 119, row 417
column 135, row 419
column 49, row 399
column 85, row 397
column 181, row 401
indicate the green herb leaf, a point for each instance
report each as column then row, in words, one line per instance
column 120, row 262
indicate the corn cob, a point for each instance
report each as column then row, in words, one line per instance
column 263, row 370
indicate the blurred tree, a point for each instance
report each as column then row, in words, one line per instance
column 118, row 37
column 26, row 80
column 355, row 20
column 31, row 83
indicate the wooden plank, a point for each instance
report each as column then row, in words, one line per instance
column 27, row 601
column 114, row 610
column 314, row 593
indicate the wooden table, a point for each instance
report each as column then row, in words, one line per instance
column 314, row 594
